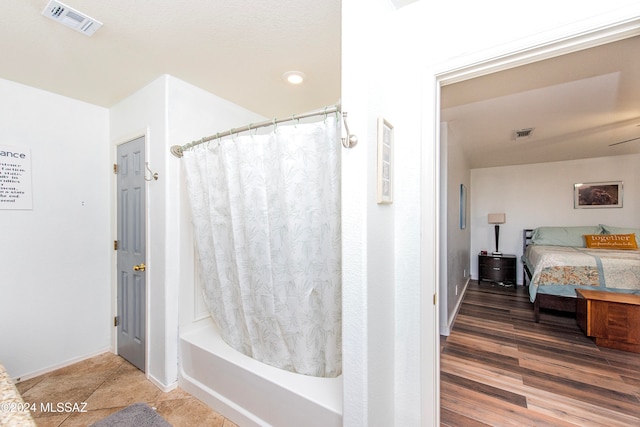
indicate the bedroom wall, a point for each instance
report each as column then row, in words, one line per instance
column 454, row 263
column 54, row 258
column 542, row 195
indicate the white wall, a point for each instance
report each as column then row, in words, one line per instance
column 456, row 241
column 144, row 113
column 54, row 258
column 193, row 114
column 170, row 112
column 392, row 61
column 542, row 195
column 376, row 250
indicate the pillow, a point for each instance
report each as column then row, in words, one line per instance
column 611, row 241
column 563, row 236
column 609, row 229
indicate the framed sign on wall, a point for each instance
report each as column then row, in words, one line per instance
column 15, row 178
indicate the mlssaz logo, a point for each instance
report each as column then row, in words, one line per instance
column 13, row 155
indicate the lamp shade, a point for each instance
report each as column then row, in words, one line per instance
column 497, row 218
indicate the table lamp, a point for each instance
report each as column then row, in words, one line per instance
column 497, row 219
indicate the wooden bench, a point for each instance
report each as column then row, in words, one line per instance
column 612, row 319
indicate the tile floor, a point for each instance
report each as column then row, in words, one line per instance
column 107, row 383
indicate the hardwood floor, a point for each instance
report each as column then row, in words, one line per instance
column 499, row 368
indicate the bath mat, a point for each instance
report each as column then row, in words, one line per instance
column 136, row 415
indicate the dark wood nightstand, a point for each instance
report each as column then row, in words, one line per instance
column 497, row 268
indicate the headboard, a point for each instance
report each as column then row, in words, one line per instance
column 527, row 238
column 527, row 235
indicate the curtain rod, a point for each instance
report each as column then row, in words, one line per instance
column 349, row 142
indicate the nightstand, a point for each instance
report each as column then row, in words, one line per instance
column 497, row 268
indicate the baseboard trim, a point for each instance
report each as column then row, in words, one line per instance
column 165, row 388
column 64, row 364
column 446, row 330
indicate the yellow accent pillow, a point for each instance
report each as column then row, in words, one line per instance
column 611, row 241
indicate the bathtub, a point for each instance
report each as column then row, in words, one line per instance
column 249, row 392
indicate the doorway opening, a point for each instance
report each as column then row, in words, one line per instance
column 490, row 63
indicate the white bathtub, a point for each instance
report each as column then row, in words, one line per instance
column 249, row 392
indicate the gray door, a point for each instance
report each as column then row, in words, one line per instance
column 131, row 249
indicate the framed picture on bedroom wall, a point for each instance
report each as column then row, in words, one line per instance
column 463, row 207
column 385, row 162
column 590, row 195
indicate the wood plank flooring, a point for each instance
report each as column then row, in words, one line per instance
column 500, row 368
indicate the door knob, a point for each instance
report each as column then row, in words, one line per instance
column 139, row 267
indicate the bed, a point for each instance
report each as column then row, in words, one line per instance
column 557, row 261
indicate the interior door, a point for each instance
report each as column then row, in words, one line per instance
column 131, row 252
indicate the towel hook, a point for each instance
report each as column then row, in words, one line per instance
column 154, row 175
column 351, row 140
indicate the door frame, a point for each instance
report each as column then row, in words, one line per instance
column 560, row 41
column 143, row 133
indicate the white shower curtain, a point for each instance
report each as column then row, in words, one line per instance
column 266, row 217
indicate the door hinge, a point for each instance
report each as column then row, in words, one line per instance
column 116, row 321
column 115, row 245
column 115, row 168
column 435, row 298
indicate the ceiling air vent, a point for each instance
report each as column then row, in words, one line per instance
column 71, row 18
column 522, row 133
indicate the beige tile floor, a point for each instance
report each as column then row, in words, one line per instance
column 107, row 383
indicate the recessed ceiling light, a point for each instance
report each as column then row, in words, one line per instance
column 293, row 77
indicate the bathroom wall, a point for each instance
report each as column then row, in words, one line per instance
column 54, row 258
column 169, row 112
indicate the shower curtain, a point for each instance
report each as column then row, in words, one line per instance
column 266, row 218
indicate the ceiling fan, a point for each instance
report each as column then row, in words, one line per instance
column 628, row 140
column 622, row 142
